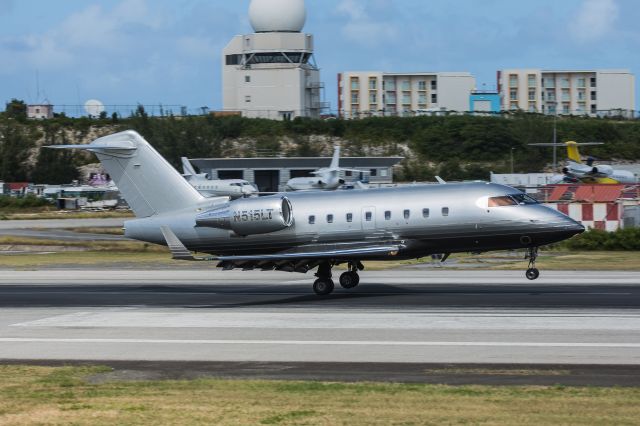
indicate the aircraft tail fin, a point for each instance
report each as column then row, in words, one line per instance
column 573, row 153
column 149, row 184
column 335, row 161
column 187, row 168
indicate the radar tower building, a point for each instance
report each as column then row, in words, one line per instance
column 272, row 73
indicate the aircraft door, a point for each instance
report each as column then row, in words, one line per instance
column 368, row 218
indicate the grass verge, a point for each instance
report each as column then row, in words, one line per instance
column 62, row 395
column 65, row 214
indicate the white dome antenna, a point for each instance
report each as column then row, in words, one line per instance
column 277, row 15
column 93, row 107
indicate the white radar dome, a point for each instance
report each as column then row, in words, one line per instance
column 277, row 15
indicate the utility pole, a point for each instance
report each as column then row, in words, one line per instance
column 555, row 140
column 512, row 148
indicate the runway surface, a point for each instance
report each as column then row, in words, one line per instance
column 393, row 317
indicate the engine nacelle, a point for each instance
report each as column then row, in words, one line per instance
column 602, row 169
column 250, row 216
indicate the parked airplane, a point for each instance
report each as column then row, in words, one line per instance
column 300, row 231
column 577, row 171
column 327, row 178
column 234, row 188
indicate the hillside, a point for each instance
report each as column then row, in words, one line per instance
column 455, row 147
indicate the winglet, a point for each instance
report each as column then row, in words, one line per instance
column 187, row 168
column 178, row 250
column 440, row 180
column 335, row 160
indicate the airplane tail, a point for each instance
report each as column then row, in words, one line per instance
column 335, row 161
column 187, row 168
column 573, row 153
column 149, row 184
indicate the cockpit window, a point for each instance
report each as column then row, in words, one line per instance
column 502, row 201
column 524, row 199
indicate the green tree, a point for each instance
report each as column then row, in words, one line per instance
column 16, row 109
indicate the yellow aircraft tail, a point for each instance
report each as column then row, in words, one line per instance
column 572, row 152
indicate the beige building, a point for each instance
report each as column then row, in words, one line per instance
column 595, row 92
column 378, row 93
column 40, row 111
column 272, row 72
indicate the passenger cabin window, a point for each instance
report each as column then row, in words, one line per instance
column 367, row 216
column 349, row 217
column 312, row 220
column 407, row 214
column 387, row 215
column 329, row 218
column 425, row 213
column 445, row 211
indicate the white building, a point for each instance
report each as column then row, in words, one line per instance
column 379, row 93
column 272, row 72
column 40, row 111
column 594, row 92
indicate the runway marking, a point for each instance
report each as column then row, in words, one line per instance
column 321, row 342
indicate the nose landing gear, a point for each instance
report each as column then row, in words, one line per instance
column 533, row 272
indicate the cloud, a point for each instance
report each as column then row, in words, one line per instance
column 361, row 27
column 595, row 20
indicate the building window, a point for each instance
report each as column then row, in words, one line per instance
column 593, row 109
column 532, row 107
column 532, row 81
column 445, row 211
column 434, row 98
column 247, row 98
column 355, row 83
column 566, row 96
column 233, row 59
column 329, row 218
column 387, row 215
column 368, row 216
column 373, row 83
column 593, row 82
column 434, row 85
column 391, row 98
column 513, row 94
column 406, row 98
column 373, row 97
column 425, row 213
column 406, row 85
column 312, row 220
column 513, row 80
column 407, row 214
column 373, row 172
column 582, row 82
column 349, row 217
column 422, row 85
column 422, row 99
column 532, row 95
column 594, row 97
column 384, row 172
column 355, row 98
column 247, row 79
column 582, row 95
column 566, row 108
column 514, row 106
column 389, row 85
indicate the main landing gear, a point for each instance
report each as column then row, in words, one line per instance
column 533, row 272
column 324, row 284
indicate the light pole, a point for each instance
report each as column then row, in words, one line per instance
column 512, row 148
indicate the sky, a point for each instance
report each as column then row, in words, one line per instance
column 125, row 52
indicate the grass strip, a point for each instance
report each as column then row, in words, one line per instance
column 63, row 395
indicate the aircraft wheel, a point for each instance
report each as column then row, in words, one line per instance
column 532, row 273
column 349, row 279
column 322, row 287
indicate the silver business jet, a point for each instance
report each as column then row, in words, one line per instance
column 302, row 231
column 234, row 188
column 327, row 178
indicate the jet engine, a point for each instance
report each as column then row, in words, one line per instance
column 602, row 169
column 250, row 216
